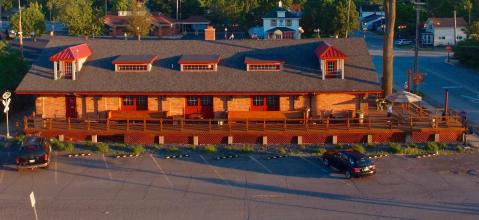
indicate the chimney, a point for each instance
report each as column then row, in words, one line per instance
column 210, row 33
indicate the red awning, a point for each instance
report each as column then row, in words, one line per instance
column 326, row 51
column 72, row 53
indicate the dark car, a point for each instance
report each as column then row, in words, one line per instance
column 352, row 163
column 33, row 152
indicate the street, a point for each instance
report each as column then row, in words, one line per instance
column 461, row 81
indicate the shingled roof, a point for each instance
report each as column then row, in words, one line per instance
column 447, row 22
column 300, row 74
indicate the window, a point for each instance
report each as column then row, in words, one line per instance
column 273, row 22
column 442, row 37
column 192, row 101
column 128, row 100
column 281, row 22
column 331, row 66
column 272, row 100
column 68, row 70
column 264, row 67
column 459, row 37
column 141, row 103
column 187, row 67
column 289, row 22
column 258, row 100
column 206, row 101
column 132, row 67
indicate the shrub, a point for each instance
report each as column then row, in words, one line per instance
column 69, row 147
column 395, row 148
column 210, row 149
column 103, row 148
column 247, row 149
column 371, row 145
column 138, row 149
column 173, row 149
column 412, row 145
column 58, row 145
column 460, row 149
column 432, row 147
column 358, row 148
column 442, row 145
column 2, row 145
column 319, row 151
column 411, row 151
column 156, row 146
column 88, row 144
column 282, row 151
column 301, row 147
column 20, row 138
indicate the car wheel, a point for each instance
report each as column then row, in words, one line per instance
column 347, row 174
column 326, row 162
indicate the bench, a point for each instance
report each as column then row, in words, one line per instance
column 264, row 115
column 136, row 115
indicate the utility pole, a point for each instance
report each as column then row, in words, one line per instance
column 455, row 27
column 20, row 33
column 347, row 21
column 177, row 8
column 106, row 7
column 416, row 48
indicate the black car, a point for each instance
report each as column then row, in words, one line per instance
column 352, row 163
column 33, row 152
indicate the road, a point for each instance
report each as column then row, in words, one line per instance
column 461, row 81
column 249, row 187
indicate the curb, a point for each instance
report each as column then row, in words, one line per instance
column 378, row 156
column 126, row 155
column 227, row 157
column 79, row 155
column 276, row 157
column 177, row 156
column 426, row 155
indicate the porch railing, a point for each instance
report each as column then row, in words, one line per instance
column 223, row 125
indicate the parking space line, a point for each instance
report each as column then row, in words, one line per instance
column 313, row 164
column 161, row 170
column 261, row 164
column 107, row 167
column 216, row 171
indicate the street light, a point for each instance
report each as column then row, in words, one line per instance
column 317, row 31
column 226, row 33
column 138, row 33
column 6, row 103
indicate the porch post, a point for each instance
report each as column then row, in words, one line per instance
column 342, row 68
column 73, row 70
column 55, row 70
column 323, row 70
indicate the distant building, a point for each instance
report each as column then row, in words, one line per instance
column 440, row 31
column 372, row 17
column 281, row 24
column 161, row 24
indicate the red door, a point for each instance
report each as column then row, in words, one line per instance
column 134, row 103
column 202, row 105
column 71, row 107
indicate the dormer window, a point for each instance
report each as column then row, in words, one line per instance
column 199, row 63
column 134, row 63
column 264, row 65
column 69, row 61
column 281, row 14
column 331, row 61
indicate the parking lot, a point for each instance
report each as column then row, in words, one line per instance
column 248, row 187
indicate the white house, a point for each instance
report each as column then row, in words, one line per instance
column 440, row 31
column 281, row 24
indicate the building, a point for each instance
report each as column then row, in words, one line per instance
column 372, row 17
column 162, row 25
column 440, row 31
column 281, row 24
column 209, row 92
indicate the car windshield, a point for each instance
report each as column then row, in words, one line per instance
column 362, row 161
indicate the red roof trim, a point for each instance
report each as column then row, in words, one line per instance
column 258, row 61
column 72, row 53
column 326, row 51
column 153, row 59
column 192, row 59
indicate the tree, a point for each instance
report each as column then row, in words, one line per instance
column 139, row 23
column 473, row 30
column 122, row 5
column 163, row 6
column 468, row 7
column 82, row 19
column 388, row 50
column 12, row 67
column 33, row 20
column 330, row 16
column 5, row 4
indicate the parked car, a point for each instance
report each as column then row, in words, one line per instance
column 33, row 152
column 402, row 42
column 352, row 163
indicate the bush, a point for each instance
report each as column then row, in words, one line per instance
column 156, row 146
column 282, row 151
column 411, row 151
column 319, row 151
column 247, row 149
column 395, row 148
column 138, row 149
column 442, row 145
column 358, row 148
column 412, row 145
column 466, row 52
column 432, row 147
column 20, row 138
column 58, row 145
column 173, row 149
column 371, row 145
column 103, row 148
column 460, row 149
column 69, row 147
column 301, row 147
column 88, row 144
column 2, row 145
column 210, row 149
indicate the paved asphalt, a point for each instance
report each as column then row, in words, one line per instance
column 461, row 81
column 249, row 187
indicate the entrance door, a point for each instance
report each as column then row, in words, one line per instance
column 264, row 103
column 134, row 103
column 68, row 70
column 71, row 107
column 199, row 105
